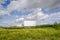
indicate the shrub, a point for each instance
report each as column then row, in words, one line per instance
column 56, row 25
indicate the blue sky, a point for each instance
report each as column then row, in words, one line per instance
column 15, row 12
column 6, row 3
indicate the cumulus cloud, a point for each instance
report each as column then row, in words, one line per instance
column 41, row 15
column 32, row 4
column 47, row 4
column 37, row 14
column 53, row 15
column 2, row 1
column 7, row 23
column 16, row 5
column 20, row 19
column 50, row 19
column 2, row 12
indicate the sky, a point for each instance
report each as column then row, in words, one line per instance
column 15, row 12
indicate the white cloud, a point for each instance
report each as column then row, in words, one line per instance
column 47, row 4
column 41, row 15
column 33, row 4
column 20, row 4
column 49, row 19
column 53, row 15
column 30, row 16
column 7, row 23
column 20, row 19
column 16, row 5
column 13, row 6
column 2, row 1
column 2, row 12
column 33, row 15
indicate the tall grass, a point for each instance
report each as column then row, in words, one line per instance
column 30, row 34
column 41, row 32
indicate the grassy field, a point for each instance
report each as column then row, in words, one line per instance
column 30, row 34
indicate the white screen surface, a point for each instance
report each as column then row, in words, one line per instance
column 29, row 23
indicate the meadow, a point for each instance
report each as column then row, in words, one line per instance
column 36, row 33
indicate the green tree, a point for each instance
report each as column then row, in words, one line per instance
column 56, row 25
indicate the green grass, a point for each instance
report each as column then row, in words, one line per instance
column 30, row 34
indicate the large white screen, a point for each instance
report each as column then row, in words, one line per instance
column 29, row 23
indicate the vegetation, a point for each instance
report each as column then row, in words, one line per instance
column 42, row 32
column 55, row 25
column 30, row 34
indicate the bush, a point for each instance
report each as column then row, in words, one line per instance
column 56, row 25
column 44, row 26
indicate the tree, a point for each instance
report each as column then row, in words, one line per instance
column 56, row 25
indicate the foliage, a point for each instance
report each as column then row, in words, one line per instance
column 30, row 34
column 55, row 25
column 41, row 32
